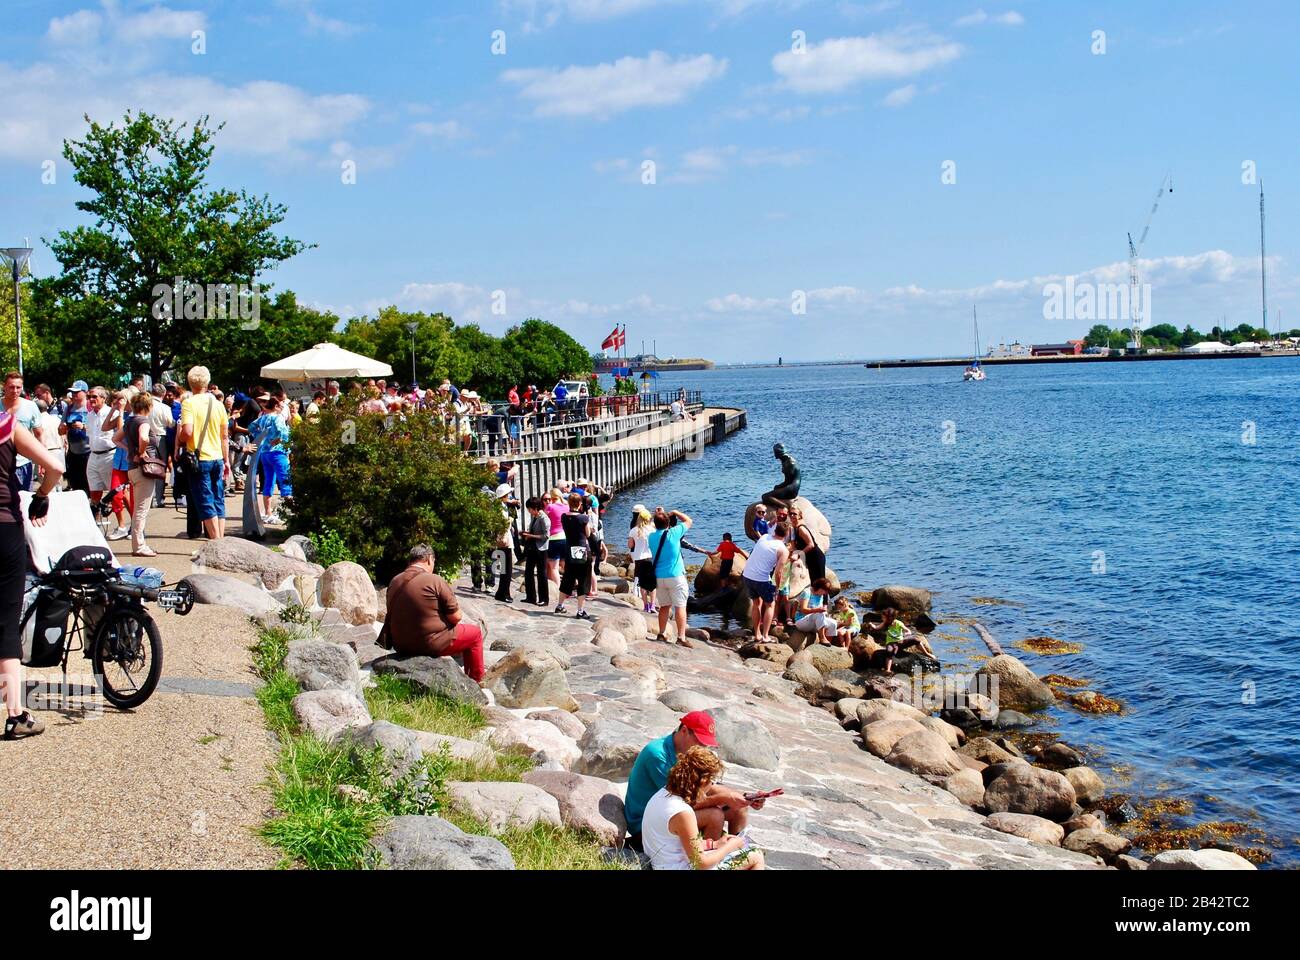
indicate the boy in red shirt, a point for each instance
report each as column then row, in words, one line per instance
column 727, row 550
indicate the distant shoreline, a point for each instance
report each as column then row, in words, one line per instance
column 1009, row 361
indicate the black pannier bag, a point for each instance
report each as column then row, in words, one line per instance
column 45, row 628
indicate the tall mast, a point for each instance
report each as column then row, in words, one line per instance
column 1263, row 287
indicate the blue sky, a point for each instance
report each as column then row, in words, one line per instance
column 776, row 170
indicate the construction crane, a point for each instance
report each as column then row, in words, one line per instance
column 1135, row 287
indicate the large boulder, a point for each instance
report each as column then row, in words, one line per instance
column 431, row 843
column 708, row 578
column 237, row 555
column 538, row 739
column 1097, row 843
column 985, row 750
column 743, row 740
column 441, row 676
column 630, row 623
column 299, row 547
column 515, row 641
column 825, row 658
column 346, row 587
column 967, row 786
column 321, row 665
column 609, row 748
column 924, row 753
column 327, row 713
column 951, row 735
column 503, row 805
column 683, row 700
column 880, row 736
column 586, row 803
column 843, row 685
column 530, row 677
column 1022, row 788
column 458, row 748
column 399, row 745
column 1027, row 826
column 562, row 720
column 773, row 652
column 816, row 521
column 1014, row 684
column 1204, row 859
column 247, row 598
column 869, row 711
column 805, row 676
column 911, row 602
column 1088, row 786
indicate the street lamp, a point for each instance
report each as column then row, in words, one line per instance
column 412, row 326
column 18, row 257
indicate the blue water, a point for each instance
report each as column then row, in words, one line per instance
column 1147, row 463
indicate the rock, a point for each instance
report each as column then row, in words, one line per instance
column 881, row 687
column 609, row 748
column 626, row 858
column 504, row 805
column 985, row 750
column 1011, row 720
column 537, row 738
column 431, row 843
column 967, row 786
column 1204, row 859
column 1097, row 843
column 681, row 700
column 994, row 770
column 237, row 555
column 1009, row 747
column 298, row 547
column 609, row 641
column 1060, row 756
column 368, row 653
column 530, row 677
column 960, row 717
column 767, row 666
column 880, row 736
column 708, row 578
column 630, row 623
column 250, row 600
column 1088, row 786
column 970, row 763
column 586, row 803
column 442, row 676
column 1085, row 821
column 458, row 748
column 565, row 722
column 872, row 710
column 698, row 633
column 509, row 643
column 608, row 570
column 838, row 688
column 1125, row 862
column 286, row 597
column 346, row 587
column 1014, row 684
column 847, row 708
column 1022, row 788
column 828, row 659
column 864, row 650
column 321, row 665
column 951, row 735
column 327, row 713
column 805, row 675
column 924, row 753
column 1027, row 826
column 773, row 652
column 908, row 601
column 400, row 745
column 743, row 740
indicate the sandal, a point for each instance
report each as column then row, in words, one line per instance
column 686, row 642
column 146, row 552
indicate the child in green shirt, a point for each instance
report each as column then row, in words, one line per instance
column 897, row 636
column 846, row 619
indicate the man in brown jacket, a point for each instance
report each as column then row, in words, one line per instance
column 424, row 618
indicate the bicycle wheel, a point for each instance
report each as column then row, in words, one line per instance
column 128, row 657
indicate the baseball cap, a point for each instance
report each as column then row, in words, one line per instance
column 79, row 385
column 701, row 724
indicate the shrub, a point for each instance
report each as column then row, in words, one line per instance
column 386, row 483
column 330, row 548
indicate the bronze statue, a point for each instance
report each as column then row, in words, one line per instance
column 784, row 493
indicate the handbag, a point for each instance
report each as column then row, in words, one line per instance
column 190, row 458
column 152, row 467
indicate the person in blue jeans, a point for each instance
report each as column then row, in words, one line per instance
column 271, row 431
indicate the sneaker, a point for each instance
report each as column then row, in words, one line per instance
column 274, row 520
column 121, row 533
column 582, row 615
column 559, row 608
column 23, row 725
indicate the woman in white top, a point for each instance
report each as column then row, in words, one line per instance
column 638, row 541
column 670, row 834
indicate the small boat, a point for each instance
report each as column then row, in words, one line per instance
column 974, row 371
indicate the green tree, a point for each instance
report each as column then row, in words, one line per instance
column 154, row 220
column 385, row 338
column 40, row 355
column 1098, row 336
column 1190, row 336
column 546, row 353
column 1165, row 333
column 494, row 368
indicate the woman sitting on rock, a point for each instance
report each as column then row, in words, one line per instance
column 812, row 610
column 670, row 834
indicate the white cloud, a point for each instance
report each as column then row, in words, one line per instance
column 77, row 28
column 84, row 27
column 441, row 130
column 900, row 97
column 1009, row 19
column 607, row 89
column 837, row 64
column 316, row 22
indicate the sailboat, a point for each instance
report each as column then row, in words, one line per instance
column 974, row 371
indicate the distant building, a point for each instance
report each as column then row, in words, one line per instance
column 1003, row 351
column 1071, row 348
column 1209, row 346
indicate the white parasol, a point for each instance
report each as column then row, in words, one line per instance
column 323, row 361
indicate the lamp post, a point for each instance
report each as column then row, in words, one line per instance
column 412, row 326
column 18, row 257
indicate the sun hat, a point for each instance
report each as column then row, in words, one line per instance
column 504, row 490
column 701, row 724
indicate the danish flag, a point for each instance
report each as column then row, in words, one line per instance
column 616, row 339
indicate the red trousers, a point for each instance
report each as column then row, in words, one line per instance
column 469, row 646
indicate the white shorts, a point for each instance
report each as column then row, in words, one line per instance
column 672, row 592
column 99, row 471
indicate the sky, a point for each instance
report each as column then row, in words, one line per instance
column 733, row 179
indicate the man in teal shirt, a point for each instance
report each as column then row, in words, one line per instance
column 720, row 811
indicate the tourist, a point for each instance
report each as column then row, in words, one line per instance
column 140, row 438
column 897, row 636
column 812, row 615
column 423, row 617
column 718, row 810
column 726, row 554
column 670, row 828
column 677, row 411
column 295, row 416
column 313, row 408
column 768, row 558
column 761, row 525
column 805, row 545
column 161, row 423
column 847, row 625
column 121, row 475
column 597, row 533
column 26, row 413
column 555, row 509
column 581, row 548
column 271, row 433
column 180, row 482
column 50, row 436
column 332, row 394
column 73, row 428
column 374, row 402
column 638, row 542
column 100, row 419
column 536, row 535
column 671, row 588
column 204, row 432
column 16, row 440
column 503, row 555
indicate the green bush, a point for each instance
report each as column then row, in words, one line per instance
column 330, row 548
column 385, row 484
